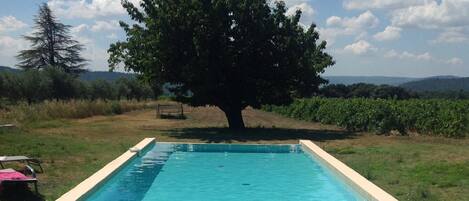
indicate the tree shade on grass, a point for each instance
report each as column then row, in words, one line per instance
column 231, row 54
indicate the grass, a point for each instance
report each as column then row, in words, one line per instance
column 410, row 170
column 52, row 110
column 409, row 167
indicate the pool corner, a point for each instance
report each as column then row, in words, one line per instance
column 89, row 184
column 353, row 178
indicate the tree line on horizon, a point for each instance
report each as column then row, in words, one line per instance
column 365, row 90
column 54, row 84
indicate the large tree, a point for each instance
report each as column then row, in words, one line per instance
column 231, row 54
column 51, row 45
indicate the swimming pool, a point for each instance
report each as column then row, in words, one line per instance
column 200, row 172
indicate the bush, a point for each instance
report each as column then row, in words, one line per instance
column 116, row 108
column 436, row 117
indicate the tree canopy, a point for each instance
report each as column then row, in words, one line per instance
column 51, row 45
column 230, row 54
column 363, row 90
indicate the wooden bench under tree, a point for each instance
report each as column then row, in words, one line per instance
column 169, row 111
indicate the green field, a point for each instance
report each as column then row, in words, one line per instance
column 409, row 167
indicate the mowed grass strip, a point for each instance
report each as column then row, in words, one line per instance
column 409, row 167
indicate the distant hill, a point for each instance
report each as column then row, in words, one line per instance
column 5, row 68
column 377, row 80
column 89, row 76
column 438, row 84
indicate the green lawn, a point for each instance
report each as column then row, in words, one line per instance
column 410, row 168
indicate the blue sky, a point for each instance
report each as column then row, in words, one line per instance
column 413, row 38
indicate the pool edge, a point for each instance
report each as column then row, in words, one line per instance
column 88, row 185
column 353, row 178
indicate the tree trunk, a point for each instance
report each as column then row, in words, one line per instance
column 235, row 118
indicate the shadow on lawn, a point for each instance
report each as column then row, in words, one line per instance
column 220, row 135
column 19, row 193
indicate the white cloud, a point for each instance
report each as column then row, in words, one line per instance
column 98, row 26
column 305, row 8
column 379, row 4
column 307, row 12
column 7, row 42
column 112, row 36
column 389, row 33
column 364, row 20
column 78, row 29
column 455, row 61
column 393, row 54
column 293, row 2
column 361, row 36
column 357, row 25
column 451, row 35
column 10, row 23
column 105, row 26
column 426, row 56
column 334, row 21
column 96, row 55
column 9, row 48
column 433, row 15
column 88, row 9
column 330, row 34
column 359, row 48
column 83, row 40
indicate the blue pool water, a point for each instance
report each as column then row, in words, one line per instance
column 205, row 172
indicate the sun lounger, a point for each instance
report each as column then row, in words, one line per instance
column 7, row 126
column 24, row 159
column 11, row 176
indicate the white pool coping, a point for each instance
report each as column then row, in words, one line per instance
column 88, row 185
column 365, row 187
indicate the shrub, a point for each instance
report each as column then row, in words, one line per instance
column 116, row 108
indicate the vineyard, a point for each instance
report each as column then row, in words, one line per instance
column 449, row 118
